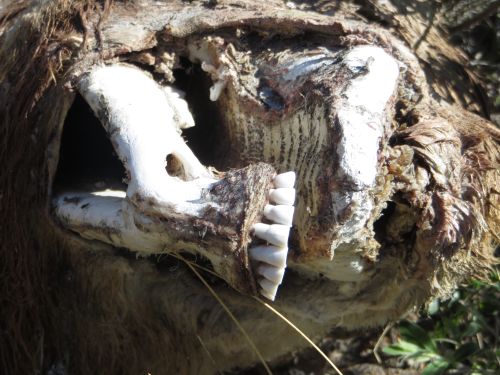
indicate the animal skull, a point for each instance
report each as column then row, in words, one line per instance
column 215, row 217
column 395, row 188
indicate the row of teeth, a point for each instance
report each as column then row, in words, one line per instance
column 272, row 256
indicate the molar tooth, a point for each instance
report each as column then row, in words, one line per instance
column 269, row 289
column 280, row 214
column 271, row 273
column 284, row 196
column 276, row 234
column 284, row 180
column 272, row 255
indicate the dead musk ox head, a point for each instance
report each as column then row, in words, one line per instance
column 396, row 191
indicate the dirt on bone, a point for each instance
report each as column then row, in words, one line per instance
column 64, row 299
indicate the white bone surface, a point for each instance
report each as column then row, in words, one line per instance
column 219, row 76
column 105, row 218
column 144, row 122
column 183, row 117
column 362, row 118
column 216, row 89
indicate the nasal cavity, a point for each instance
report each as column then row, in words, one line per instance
column 207, row 138
column 87, row 160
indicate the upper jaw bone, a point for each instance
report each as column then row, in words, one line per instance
column 143, row 121
column 160, row 213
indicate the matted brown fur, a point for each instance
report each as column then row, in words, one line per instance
column 59, row 299
column 30, row 62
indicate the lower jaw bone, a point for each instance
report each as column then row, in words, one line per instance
column 159, row 213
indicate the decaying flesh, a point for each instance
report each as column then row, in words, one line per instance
column 394, row 198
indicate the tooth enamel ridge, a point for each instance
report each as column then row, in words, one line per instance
column 284, row 196
column 269, row 289
column 284, row 180
column 280, row 214
column 276, row 234
column 273, row 255
column 271, row 273
column 159, row 213
column 272, row 258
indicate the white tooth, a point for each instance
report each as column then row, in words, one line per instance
column 271, row 273
column 284, row 180
column 269, row 288
column 280, row 214
column 267, row 295
column 275, row 234
column 273, row 255
column 282, row 196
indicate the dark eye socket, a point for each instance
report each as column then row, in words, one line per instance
column 87, row 160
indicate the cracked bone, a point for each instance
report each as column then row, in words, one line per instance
column 160, row 213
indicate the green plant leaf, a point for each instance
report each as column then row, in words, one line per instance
column 465, row 351
column 402, row 348
column 415, row 334
column 472, row 329
column 436, row 368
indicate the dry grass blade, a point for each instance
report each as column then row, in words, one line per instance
column 316, row 347
column 379, row 342
column 233, row 318
column 208, row 353
column 276, row 312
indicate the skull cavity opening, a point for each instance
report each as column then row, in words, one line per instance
column 87, row 160
column 208, row 138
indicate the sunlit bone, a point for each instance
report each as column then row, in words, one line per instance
column 160, row 213
column 140, row 119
